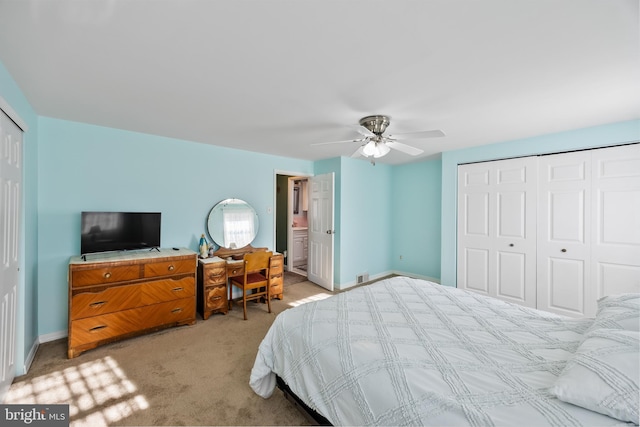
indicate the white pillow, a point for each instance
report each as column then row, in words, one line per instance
column 603, row 375
column 620, row 311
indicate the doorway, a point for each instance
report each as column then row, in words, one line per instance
column 298, row 237
column 291, row 221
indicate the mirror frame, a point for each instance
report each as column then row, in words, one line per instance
column 215, row 225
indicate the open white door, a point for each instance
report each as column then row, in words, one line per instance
column 321, row 232
column 10, row 202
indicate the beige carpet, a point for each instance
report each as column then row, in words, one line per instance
column 193, row 375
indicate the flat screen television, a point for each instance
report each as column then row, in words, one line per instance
column 119, row 231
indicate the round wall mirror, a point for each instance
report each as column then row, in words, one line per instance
column 232, row 224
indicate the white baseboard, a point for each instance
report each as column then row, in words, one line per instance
column 30, row 356
column 52, row 336
column 40, row 340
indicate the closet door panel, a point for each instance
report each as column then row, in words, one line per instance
column 566, row 286
column 616, row 225
column 515, row 183
column 496, row 229
column 475, row 244
column 511, row 277
column 563, row 248
column 476, row 270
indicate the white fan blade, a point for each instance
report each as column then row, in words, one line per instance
column 364, row 131
column 358, row 152
column 338, row 142
column 418, row 135
column 413, row 151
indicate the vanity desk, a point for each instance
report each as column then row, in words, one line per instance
column 232, row 224
column 235, row 267
column 214, row 292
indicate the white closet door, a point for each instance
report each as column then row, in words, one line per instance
column 10, row 202
column 616, row 222
column 496, row 229
column 564, row 234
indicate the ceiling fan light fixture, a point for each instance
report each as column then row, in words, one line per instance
column 375, row 149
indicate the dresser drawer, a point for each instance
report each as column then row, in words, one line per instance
column 169, row 268
column 104, row 275
column 168, row 313
column 86, row 304
column 98, row 328
column 214, row 275
column 167, row 290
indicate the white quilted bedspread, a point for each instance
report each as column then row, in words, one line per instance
column 409, row 352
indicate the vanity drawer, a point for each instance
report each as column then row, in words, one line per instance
column 86, row 304
column 276, row 264
column 215, row 274
column 235, row 269
column 277, row 286
column 103, row 275
column 167, row 290
column 215, row 298
column 169, row 268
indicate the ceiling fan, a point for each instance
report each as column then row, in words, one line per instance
column 375, row 144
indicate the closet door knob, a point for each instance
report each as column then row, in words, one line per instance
column 511, row 244
column 563, row 250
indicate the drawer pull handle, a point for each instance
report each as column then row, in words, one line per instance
column 97, row 304
column 215, row 298
column 171, row 268
column 107, row 275
column 176, row 310
column 276, row 276
column 97, row 328
column 178, row 289
column 215, row 276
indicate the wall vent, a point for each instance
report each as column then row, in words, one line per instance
column 362, row 278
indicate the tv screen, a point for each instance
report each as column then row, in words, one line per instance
column 119, row 231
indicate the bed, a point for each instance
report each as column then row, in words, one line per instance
column 406, row 351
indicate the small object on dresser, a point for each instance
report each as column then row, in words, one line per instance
column 204, row 247
column 211, row 250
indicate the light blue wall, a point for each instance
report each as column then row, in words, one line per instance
column 365, row 218
column 85, row 167
column 27, row 290
column 362, row 218
column 416, row 219
column 597, row 136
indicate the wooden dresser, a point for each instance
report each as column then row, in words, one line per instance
column 116, row 296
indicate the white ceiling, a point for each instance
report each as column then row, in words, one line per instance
column 275, row 76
